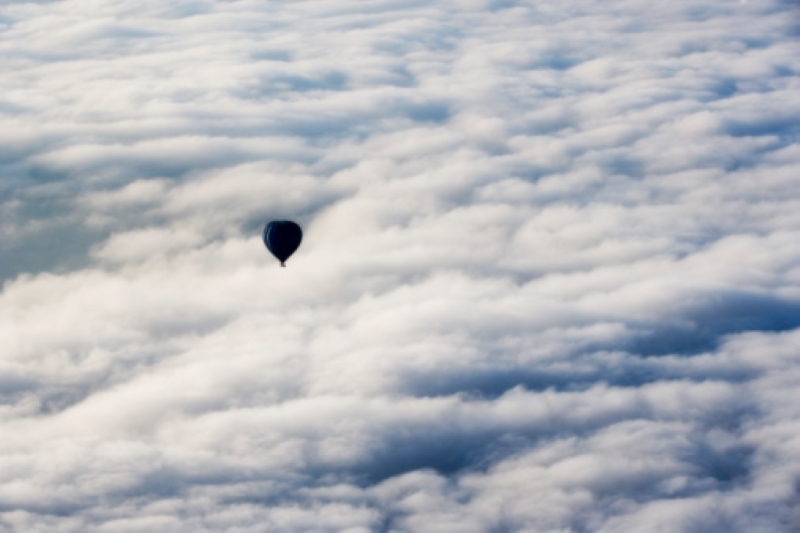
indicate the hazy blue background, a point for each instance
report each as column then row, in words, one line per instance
column 550, row 279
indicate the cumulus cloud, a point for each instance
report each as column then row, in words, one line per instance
column 549, row 279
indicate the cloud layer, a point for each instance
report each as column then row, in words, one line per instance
column 550, row 278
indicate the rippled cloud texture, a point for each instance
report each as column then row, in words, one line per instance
column 550, row 278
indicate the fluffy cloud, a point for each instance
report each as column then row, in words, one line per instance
column 549, row 280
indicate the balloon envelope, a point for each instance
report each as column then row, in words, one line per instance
column 282, row 237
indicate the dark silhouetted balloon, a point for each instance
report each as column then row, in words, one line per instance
column 282, row 237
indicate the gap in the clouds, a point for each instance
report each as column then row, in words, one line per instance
column 625, row 166
column 429, row 111
column 446, row 453
column 59, row 248
column 625, row 370
column 708, row 320
column 723, row 88
column 491, row 383
column 56, row 399
column 272, row 86
column 729, row 466
column 56, row 507
column 42, row 232
column 14, row 386
column 715, row 454
column 785, row 128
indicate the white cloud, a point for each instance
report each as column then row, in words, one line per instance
column 548, row 280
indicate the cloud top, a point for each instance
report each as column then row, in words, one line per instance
column 548, row 279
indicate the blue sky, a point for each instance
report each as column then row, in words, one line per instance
column 550, row 278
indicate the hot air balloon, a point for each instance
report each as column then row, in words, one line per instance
column 282, row 237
